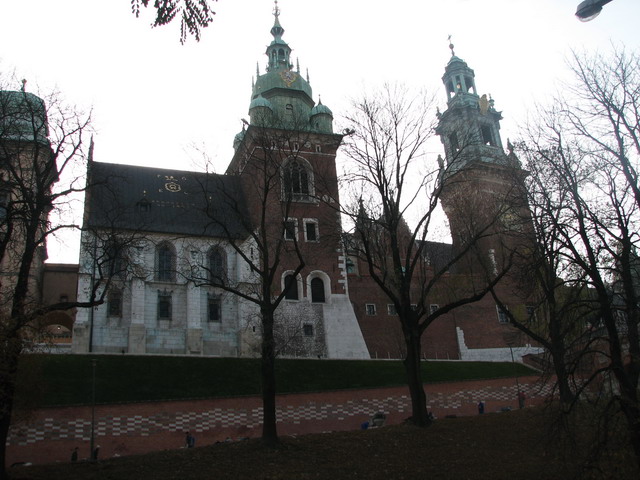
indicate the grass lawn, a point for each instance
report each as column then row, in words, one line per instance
column 49, row 380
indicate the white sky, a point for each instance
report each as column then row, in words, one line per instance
column 153, row 98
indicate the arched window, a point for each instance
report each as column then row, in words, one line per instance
column 217, row 266
column 165, row 263
column 298, row 180
column 291, row 287
column 317, row 290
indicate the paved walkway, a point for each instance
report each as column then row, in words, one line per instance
column 50, row 435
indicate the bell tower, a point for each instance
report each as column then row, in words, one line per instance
column 482, row 190
column 285, row 158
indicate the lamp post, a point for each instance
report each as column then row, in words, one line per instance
column 590, row 9
column 513, row 361
column 93, row 409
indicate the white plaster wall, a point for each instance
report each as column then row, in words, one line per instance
column 493, row 354
column 343, row 335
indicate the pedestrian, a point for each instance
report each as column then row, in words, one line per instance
column 94, row 454
column 190, row 440
column 480, row 407
column 521, row 398
column 74, row 455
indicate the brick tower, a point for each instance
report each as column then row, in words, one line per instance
column 285, row 156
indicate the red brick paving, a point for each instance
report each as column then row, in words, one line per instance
column 51, row 434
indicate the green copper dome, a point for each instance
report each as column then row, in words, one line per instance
column 23, row 117
column 321, row 109
column 258, row 102
column 282, row 97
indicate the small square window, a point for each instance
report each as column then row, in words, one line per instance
column 311, row 231
column 214, row 310
column 503, row 317
column 114, row 303
column 307, row 329
column 370, row 308
column 391, row 309
column 433, row 308
column 351, row 265
column 290, row 229
column 318, row 148
column 531, row 313
column 164, row 306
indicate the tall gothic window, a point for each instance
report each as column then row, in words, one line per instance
column 165, row 263
column 297, row 179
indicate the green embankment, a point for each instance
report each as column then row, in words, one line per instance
column 67, row 379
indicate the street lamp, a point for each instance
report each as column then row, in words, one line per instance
column 590, row 9
column 93, row 410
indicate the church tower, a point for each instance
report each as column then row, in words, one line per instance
column 285, row 157
column 482, row 189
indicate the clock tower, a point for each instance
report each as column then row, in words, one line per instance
column 482, row 189
column 285, row 157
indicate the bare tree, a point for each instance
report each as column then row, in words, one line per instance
column 194, row 14
column 270, row 188
column 584, row 154
column 391, row 185
column 42, row 143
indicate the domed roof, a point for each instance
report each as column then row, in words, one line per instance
column 283, row 79
column 23, row 116
column 321, row 109
column 260, row 102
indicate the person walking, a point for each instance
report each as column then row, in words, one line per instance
column 521, row 398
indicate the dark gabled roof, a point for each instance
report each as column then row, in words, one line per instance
column 438, row 254
column 165, row 201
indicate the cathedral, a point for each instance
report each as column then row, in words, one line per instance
column 180, row 246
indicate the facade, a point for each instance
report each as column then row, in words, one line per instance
column 189, row 235
column 185, row 236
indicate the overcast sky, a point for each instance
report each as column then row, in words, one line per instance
column 153, row 98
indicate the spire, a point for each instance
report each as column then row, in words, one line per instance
column 278, row 51
column 277, row 29
column 90, row 154
column 459, row 79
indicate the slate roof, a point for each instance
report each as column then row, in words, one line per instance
column 164, row 201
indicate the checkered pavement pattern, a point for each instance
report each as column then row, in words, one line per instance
column 353, row 411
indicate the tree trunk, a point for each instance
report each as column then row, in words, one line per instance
column 8, row 375
column 269, row 430
column 419, row 414
column 631, row 412
column 564, row 389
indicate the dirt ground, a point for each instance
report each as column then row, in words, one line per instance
column 512, row 445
